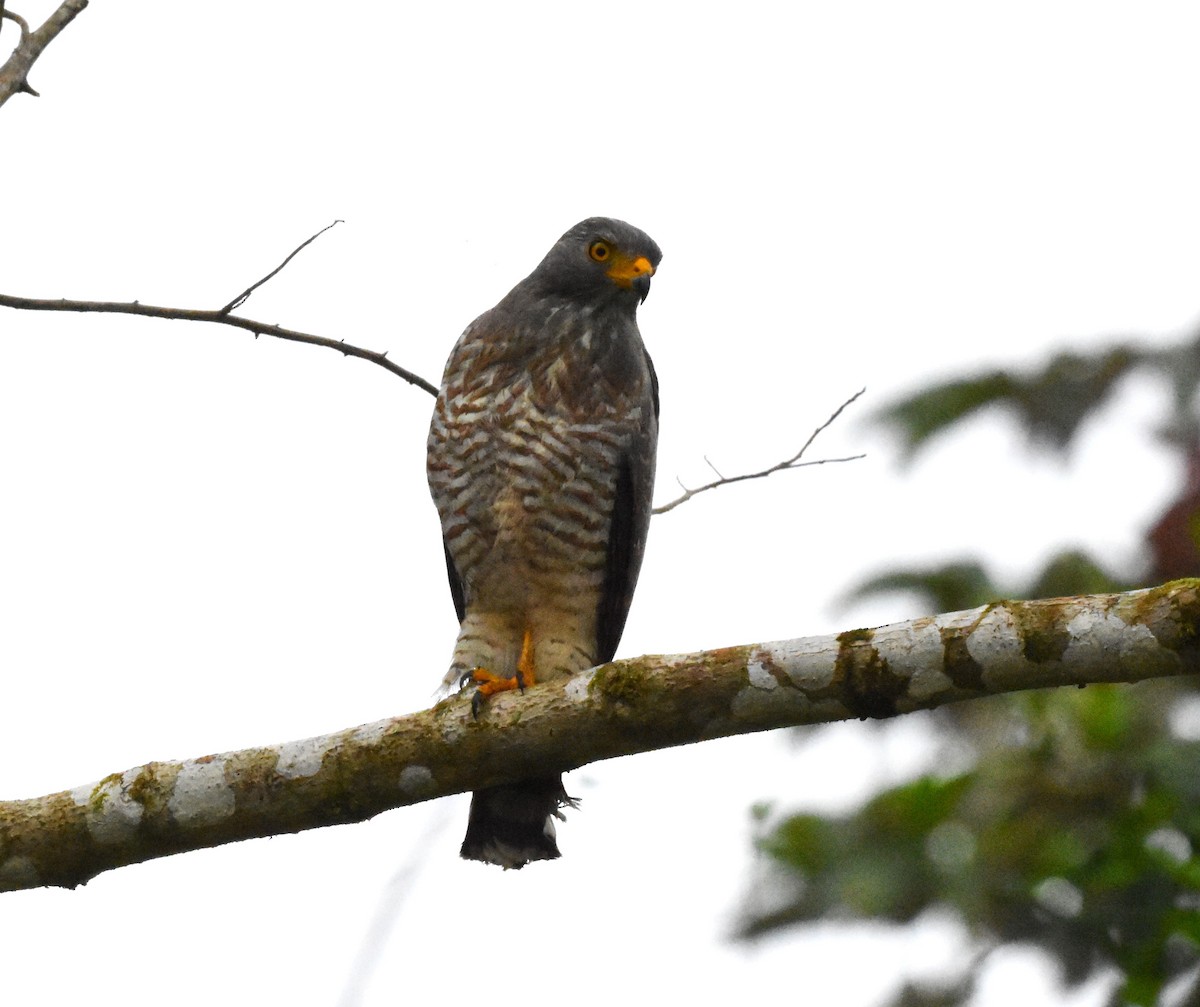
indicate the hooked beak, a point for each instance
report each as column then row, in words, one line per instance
column 642, row 285
column 631, row 272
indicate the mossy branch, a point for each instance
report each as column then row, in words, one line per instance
column 623, row 708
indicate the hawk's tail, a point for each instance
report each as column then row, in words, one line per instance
column 514, row 824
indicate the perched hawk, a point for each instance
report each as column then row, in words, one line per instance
column 541, row 464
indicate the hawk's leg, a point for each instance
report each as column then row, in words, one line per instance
column 489, row 683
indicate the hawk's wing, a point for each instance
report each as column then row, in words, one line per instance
column 627, row 531
column 456, row 585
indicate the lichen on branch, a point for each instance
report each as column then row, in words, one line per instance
column 622, row 708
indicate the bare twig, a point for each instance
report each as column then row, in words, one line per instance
column 788, row 463
column 218, row 317
column 623, row 708
column 224, row 316
column 241, row 298
column 14, row 73
column 21, row 22
column 23, row 27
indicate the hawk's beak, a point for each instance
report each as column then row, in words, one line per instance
column 626, row 271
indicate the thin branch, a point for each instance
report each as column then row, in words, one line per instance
column 624, row 708
column 218, row 317
column 241, row 298
column 23, row 84
column 223, row 316
column 14, row 74
column 719, row 474
column 21, row 22
column 788, row 463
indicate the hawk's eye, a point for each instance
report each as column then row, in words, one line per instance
column 599, row 250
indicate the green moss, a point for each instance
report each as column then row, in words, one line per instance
column 856, row 636
column 447, row 705
column 99, row 792
column 1181, row 632
column 144, row 785
column 1043, row 634
column 867, row 685
column 959, row 666
column 623, row 683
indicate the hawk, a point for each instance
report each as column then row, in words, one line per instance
column 541, row 465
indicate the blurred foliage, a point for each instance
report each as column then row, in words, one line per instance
column 1050, row 404
column 1077, row 829
column 1072, row 822
column 967, row 584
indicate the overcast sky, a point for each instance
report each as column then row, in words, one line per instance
column 209, row 542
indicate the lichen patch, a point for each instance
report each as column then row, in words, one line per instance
column 301, row 758
column 914, row 651
column 416, row 781
column 768, row 705
column 112, row 815
column 373, row 733
column 1104, row 640
column 576, row 689
column 201, row 796
column 760, row 677
column 809, row 663
column 996, row 645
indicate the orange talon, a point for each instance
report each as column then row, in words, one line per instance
column 488, row 684
column 525, row 662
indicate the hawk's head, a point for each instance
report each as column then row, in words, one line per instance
column 599, row 259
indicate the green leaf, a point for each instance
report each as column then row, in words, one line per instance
column 913, row 809
column 921, row 416
column 1049, row 404
column 947, row 588
column 1072, row 572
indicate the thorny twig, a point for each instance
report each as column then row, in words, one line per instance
column 14, row 71
column 788, row 463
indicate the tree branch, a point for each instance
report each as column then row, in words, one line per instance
column 218, row 317
column 222, row 316
column 788, row 463
column 14, row 74
column 241, row 298
column 623, row 708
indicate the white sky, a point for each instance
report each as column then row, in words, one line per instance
column 208, row 542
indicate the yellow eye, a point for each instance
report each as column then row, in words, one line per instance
column 599, row 250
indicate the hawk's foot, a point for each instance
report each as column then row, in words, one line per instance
column 488, row 684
